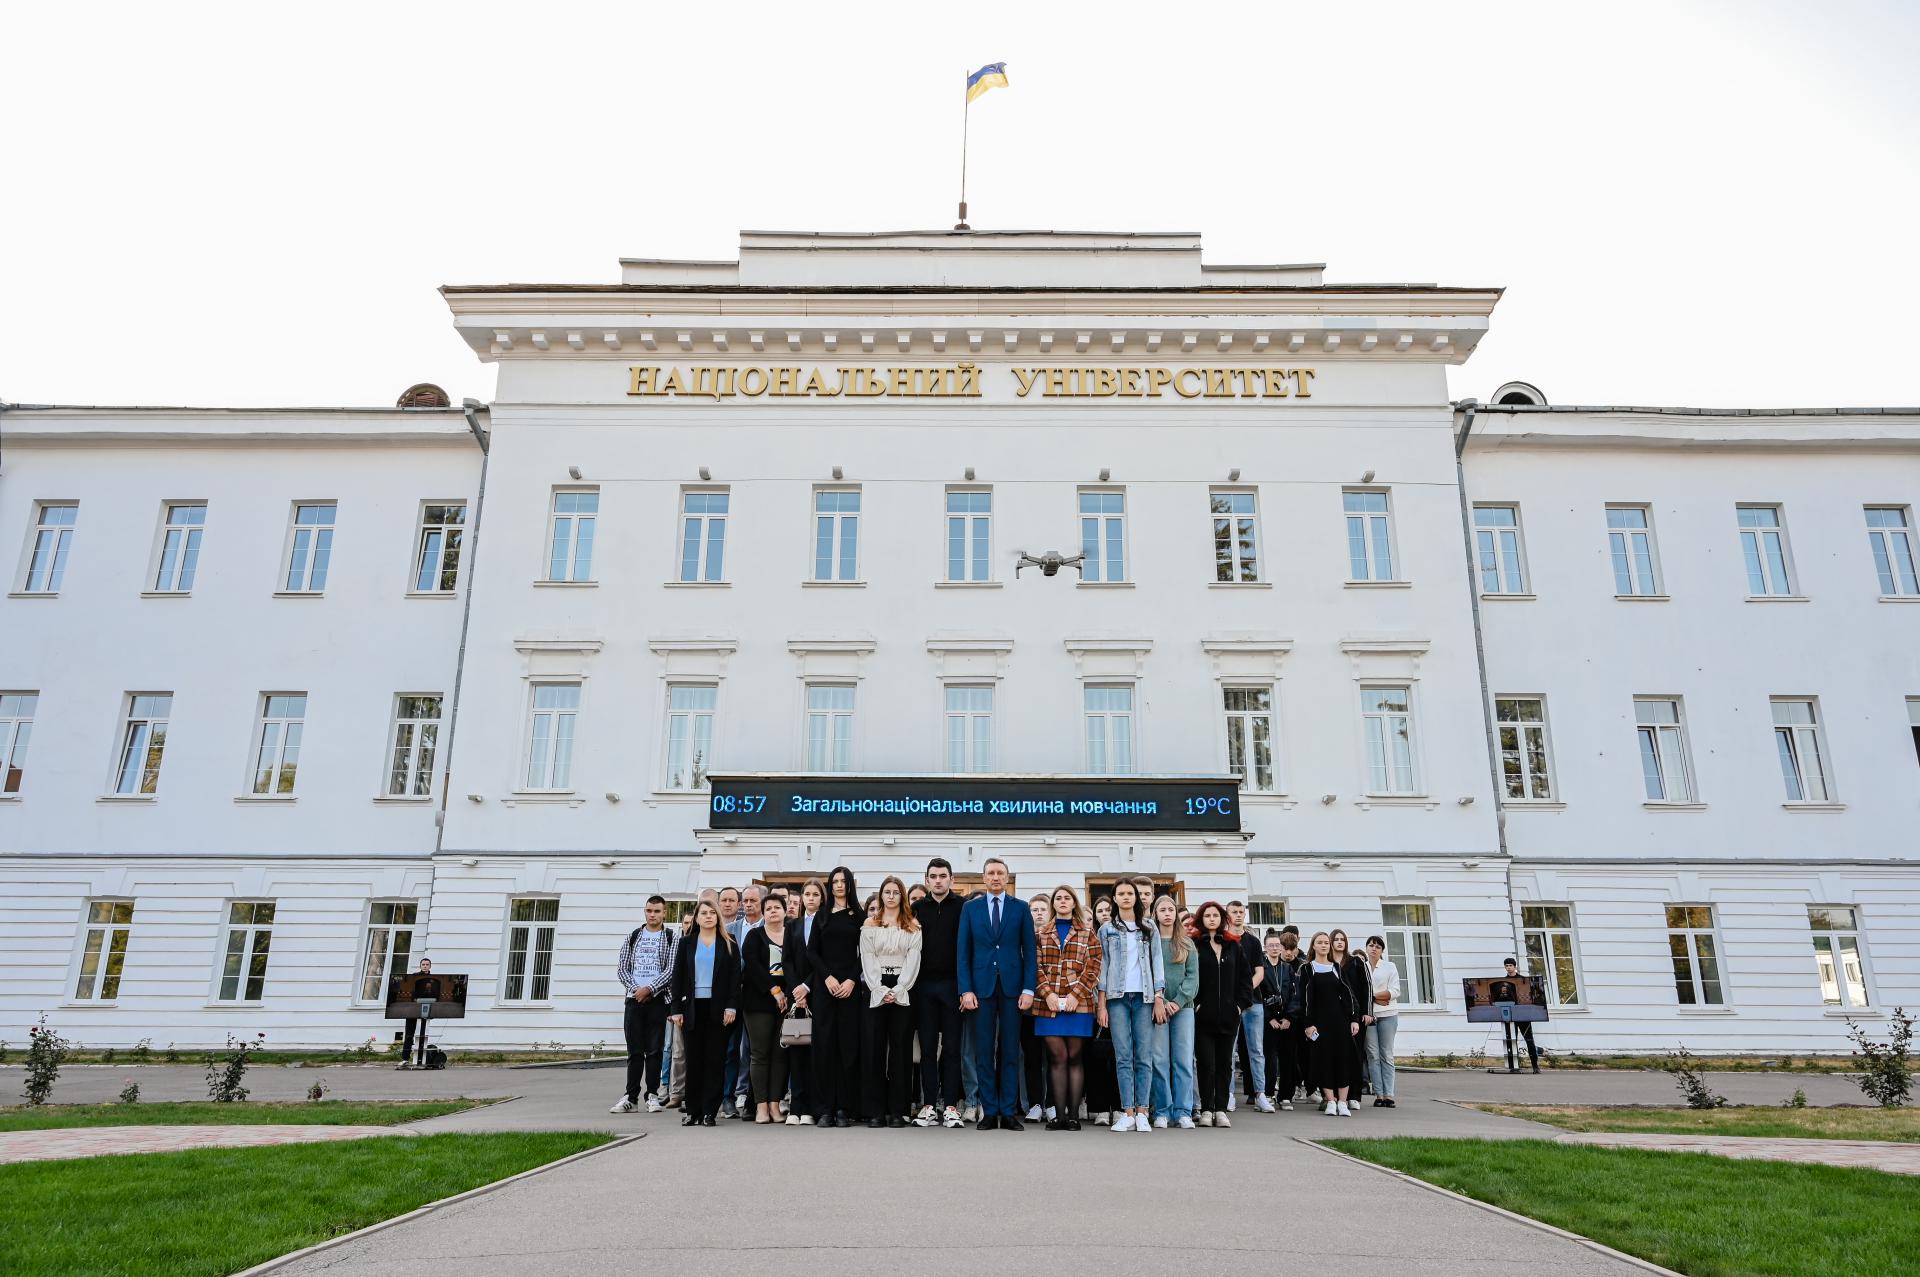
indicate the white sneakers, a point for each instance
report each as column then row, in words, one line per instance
column 1220, row 1119
column 951, row 1119
column 1185, row 1124
column 1231, row 1101
column 806, row 1119
column 1332, row 1109
column 1264, row 1104
column 1033, row 1114
column 624, row 1106
column 925, row 1117
column 1344, row 1110
column 653, row 1104
column 1101, row 1119
column 1123, row 1122
column 1205, row 1118
column 1142, row 1124
column 1160, row 1123
column 1052, row 1113
column 1286, row 1106
column 793, row 1119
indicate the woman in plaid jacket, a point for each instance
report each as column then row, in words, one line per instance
column 1069, row 975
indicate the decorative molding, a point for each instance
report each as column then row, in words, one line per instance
column 829, row 657
column 693, row 658
column 1097, row 657
column 1384, row 655
column 970, row 658
column 1246, row 656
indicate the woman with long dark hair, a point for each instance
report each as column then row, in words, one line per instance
column 1226, row 990
column 890, row 963
column 1325, row 1004
column 1132, row 993
column 706, row 999
column 833, row 958
column 1353, row 970
column 1069, row 966
column 808, row 902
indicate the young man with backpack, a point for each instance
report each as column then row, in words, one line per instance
column 645, row 970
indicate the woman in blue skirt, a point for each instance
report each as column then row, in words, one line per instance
column 1069, row 975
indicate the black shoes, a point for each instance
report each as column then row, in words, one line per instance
column 876, row 1123
column 1012, row 1124
column 988, row 1123
column 690, row 1119
column 896, row 1122
column 708, row 1120
column 1073, row 1123
column 1056, row 1123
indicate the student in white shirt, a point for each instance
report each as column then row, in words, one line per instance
column 1386, row 1021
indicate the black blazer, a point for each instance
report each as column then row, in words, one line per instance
column 1226, row 985
column 1359, row 978
column 835, row 948
column 726, row 972
column 757, row 981
column 796, row 959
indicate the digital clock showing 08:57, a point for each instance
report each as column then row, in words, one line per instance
column 1196, row 804
column 743, row 804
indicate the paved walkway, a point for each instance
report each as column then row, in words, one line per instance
column 92, row 1141
column 1900, row 1159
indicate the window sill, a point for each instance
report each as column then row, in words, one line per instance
column 1778, row 598
column 678, row 796
column 265, row 800
column 696, row 585
column 1853, row 1013
column 33, row 594
column 126, row 798
column 1884, row 598
column 1531, row 804
column 1239, row 585
column 1813, row 806
column 234, row 1006
column 1686, row 1010
column 1379, row 585
column 109, row 1003
column 1103, row 585
column 1674, row 806
column 566, row 585
column 1409, row 1009
column 536, row 799
column 1643, row 598
column 166, row 594
column 9, row 798
column 403, row 800
column 969, row 585
column 1508, row 598
column 1281, row 801
column 834, row 585
column 1396, row 800
column 522, row 1006
column 299, row 594
column 433, row 594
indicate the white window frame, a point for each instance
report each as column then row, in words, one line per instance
column 388, row 932
column 561, row 716
column 1523, row 750
column 1836, row 935
column 313, row 542
column 1766, row 551
column 578, row 527
column 1405, row 951
column 701, row 537
column 1672, row 751
column 1895, row 562
column 17, row 710
column 1377, row 535
column 1501, row 550
column 1240, row 728
column 256, row 945
column 1224, row 529
column 698, row 766
column 1806, row 765
column 839, row 521
column 155, row 754
column 1620, row 548
column 422, row 529
column 1544, row 963
column 1690, row 934
column 116, row 939
column 831, row 717
column 277, row 738
column 535, row 928
column 1104, row 527
column 43, row 562
column 176, row 549
column 970, row 729
column 1108, row 719
column 421, row 746
column 975, row 532
column 1368, row 717
column 1264, row 912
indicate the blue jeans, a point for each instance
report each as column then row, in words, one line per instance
column 1253, row 1027
column 1173, row 1067
column 1130, row 1016
column 1380, row 1035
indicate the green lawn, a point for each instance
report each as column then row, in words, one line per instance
column 208, row 1212
column 1690, row 1212
column 1900, row 1125
column 246, row 1113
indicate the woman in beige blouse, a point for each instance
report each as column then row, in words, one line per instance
column 890, row 963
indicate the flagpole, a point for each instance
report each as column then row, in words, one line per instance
column 966, row 117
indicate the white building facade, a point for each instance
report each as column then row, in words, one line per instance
column 765, row 520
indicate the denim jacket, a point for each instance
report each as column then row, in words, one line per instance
column 1113, row 972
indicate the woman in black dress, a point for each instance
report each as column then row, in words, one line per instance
column 833, row 961
column 1324, row 1002
column 1354, row 970
column 1226, row 990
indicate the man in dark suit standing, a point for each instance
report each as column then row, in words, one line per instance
column 998, row 966
column 425, row 985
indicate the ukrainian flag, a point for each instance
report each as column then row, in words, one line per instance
column 991, row 76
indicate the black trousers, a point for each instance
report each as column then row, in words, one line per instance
column 1213, row 1065
column 936, row 1005
column 887, row 1041
column 835, row 1083
column 1033, row 1064
column 406, row 1043
column 645, row 1024
column 706, row 1035
column 1526, row 1031
column 1283, row 1071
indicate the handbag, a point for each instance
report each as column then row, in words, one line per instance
column 796, row 1030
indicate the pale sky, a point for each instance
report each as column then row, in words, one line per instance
column 1688, row 203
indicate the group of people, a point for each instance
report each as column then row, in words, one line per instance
column 806, row 1008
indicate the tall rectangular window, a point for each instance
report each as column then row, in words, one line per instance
column 1236, row 536
column 1501, row 567
column 836, row 535
column 689, row 734
column 276, row 753
column 1386, row 715
column 1696, row 955
column 103, row 950
column 412, row 746
column 1547, row 931
column 1890, row 532
column 179, row 554
column 309, row 547
column 1664, row 766
column 1103, row 536
column 1836, row 955
column 243, row 961
column 1109, row 715
column 1763, row 544
column 16, row 733
column 389, row 946
column 1408, row 930
column 1522, row 721
column 1803, row 760
column 1262, row 914
column 1630, row 543
column 437, row 554
column 970, row 536
column 531, row 924
column 570, row 535
column 142, row 741
column 1250, row 735
column 550, row 735
column 703, row 536
column 829, row 727
column 969, row 729
column 1369, row 536
column 53, row 524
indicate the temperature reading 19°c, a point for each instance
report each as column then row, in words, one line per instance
column 747, row 804
column 1208, row 806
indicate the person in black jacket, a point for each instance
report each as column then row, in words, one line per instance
column 1276, row 991
column 763, row 1003
column 1324, row 1002
column 833, row 972
column 1226, row 990
column 808, row 904
column 936, row 999
column 1354, row 970
column 706, row 1001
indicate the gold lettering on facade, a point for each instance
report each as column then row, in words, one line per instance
column 962, row 381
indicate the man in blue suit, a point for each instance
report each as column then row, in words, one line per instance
column 998, row 969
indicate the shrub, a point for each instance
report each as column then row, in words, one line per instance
column 1699, row 1095
column 173, row 1054
column 46, row 1051
column 143, row 1050
column 226, row 1073
column 130, row 1094
column 1798, row 1100
column 1886, row 1071
column 364, row 1051
column 3, row 1050
column 317, row 1091
column 109, row 1055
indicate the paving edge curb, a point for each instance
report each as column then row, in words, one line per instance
column 1645, row 1265
column 281, row 1261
